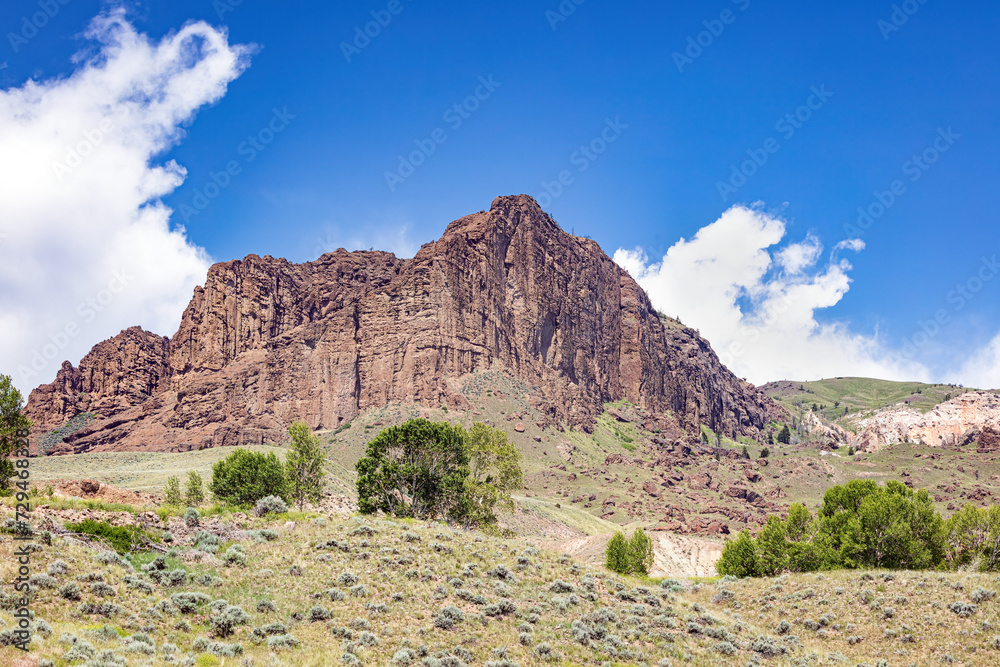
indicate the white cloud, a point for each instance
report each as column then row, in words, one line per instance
column 80, row 193
column 729, row 264
column 857, row 245
column 796, row 257
column 982, row 368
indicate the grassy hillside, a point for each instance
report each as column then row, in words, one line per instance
column 840, row 399
column 331, row 590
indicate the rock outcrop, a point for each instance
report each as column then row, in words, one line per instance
column 953, row 423
column 265, row 342
column 116, row 375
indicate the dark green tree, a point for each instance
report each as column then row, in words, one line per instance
column 417, row 469
column 244, row 477
column 894, row 528
column 785, row 436
column 304, row 465
column 739, row 557
column 772, row 547
column 12, row 422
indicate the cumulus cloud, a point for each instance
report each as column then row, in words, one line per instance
column 757, row 303
column 86, row 246
column 982, row 368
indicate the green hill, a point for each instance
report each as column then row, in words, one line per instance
column 837, row 399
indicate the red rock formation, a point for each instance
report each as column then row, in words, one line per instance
column 265, row 342
column 117, row 374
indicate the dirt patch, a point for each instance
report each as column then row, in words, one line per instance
column 673, row 555
column 92, row 490
column 683, row 556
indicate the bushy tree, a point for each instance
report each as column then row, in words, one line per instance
column 739, row 557
column 616, row 555
column 244, row 477
column 640, row 551
column 973, row 537
column 798, row 523
column 891, row 526
column 172, row 492
column 494, row 473
column 894, row 528
column 785, row 436
column 12, row 423
column 194, row 490
column 304, row 465
column 417, row 469
column 772, row 547
column 629, row 556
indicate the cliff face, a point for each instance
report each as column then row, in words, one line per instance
column 957, row 422
column 114, row 376
column 266, row 342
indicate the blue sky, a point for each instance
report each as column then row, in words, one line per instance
column 683, row 117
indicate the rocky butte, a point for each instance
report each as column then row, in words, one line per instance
column 266, row 342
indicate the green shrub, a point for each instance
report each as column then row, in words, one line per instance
column 123, row 539
column 244, row 477
column 225, row 619
column 739, row 557
column 172, row 492
column 448, row 617
column 194, row 490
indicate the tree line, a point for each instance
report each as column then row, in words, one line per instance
column 864, row 525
